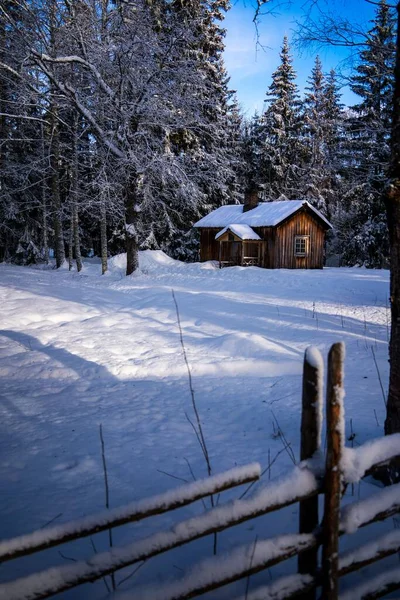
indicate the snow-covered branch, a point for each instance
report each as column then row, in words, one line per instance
column 63, row 60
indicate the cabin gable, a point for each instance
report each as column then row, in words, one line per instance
column 299, row 243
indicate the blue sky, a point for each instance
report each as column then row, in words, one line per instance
column 250, row 68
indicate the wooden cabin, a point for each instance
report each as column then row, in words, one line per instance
column 287, row 234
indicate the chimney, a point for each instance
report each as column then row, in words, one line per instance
column 250, row 199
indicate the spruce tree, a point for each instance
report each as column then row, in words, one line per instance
column 252, row 152
column 208, row 150
column 373, row 82
column 322, row 126
column 333, row 118
column 369, row 133
column 316, row 177
column 283, row 152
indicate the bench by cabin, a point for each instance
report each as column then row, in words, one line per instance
column 284, row 234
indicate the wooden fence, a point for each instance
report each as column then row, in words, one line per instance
column 312, row 477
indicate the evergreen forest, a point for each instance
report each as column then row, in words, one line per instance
column 119, row 130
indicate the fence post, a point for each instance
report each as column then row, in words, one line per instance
column 335, row 441
column 311, row 422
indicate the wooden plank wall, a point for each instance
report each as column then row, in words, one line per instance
column 301, row 224
column 209, row 247
column 268, row 251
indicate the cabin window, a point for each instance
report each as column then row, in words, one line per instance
column 301, row 245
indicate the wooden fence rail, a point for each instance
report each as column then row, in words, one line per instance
column 135, row 511
column 312, row 477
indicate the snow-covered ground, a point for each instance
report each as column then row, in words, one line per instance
column 77, row 350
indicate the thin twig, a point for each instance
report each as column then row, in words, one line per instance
column 178, row 568
column 194, row 479
column 131, row 574
column 67, row 557
column 51, row 520
column 286, row 444
column 267, row 468
column 107, row 492
column 95, row 551
column 251, row 564
column 379, row 376
column 269, row 464
column 200, row 429
column 173, row 476
column 103, row 456
column 196, row 432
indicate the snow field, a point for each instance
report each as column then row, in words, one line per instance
column 77, row 350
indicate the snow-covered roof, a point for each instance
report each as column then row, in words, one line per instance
column 266, row 214
column 244, row 232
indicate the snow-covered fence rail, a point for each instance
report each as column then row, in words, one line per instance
column 303, row 484
column 135, row 511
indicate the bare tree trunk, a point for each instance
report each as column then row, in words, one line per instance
column 45, row 236
column 3, row 123
column 71, row 243
column 75, row 195
column 103, row 237
column 55, row 158
column 77, row 237
column 44, row 225
column 55, row 190
column 392, row 423
column 131, row 237
column 3, row 96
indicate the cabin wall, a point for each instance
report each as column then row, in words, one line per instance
column 209, row 247
column 301, row 224
column 268, row 247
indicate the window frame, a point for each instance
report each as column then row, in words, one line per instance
column 300, row 239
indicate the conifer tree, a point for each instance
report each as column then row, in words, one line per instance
column 333, row 119
column 252, row 152
column 373, row 82
column 316, row 176
column 322, row 123
column 368, row 149
column 283, row 152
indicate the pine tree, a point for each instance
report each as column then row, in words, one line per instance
column 373, row 82
column 252, row 152
column 333, row 119
column 316, row 176
column 283, row 153
column 322, row 126
column 207, row 150
column 369, row 133
column 314, row 114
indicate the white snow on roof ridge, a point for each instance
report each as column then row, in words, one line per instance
column 266, row 214
column 244, row 232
